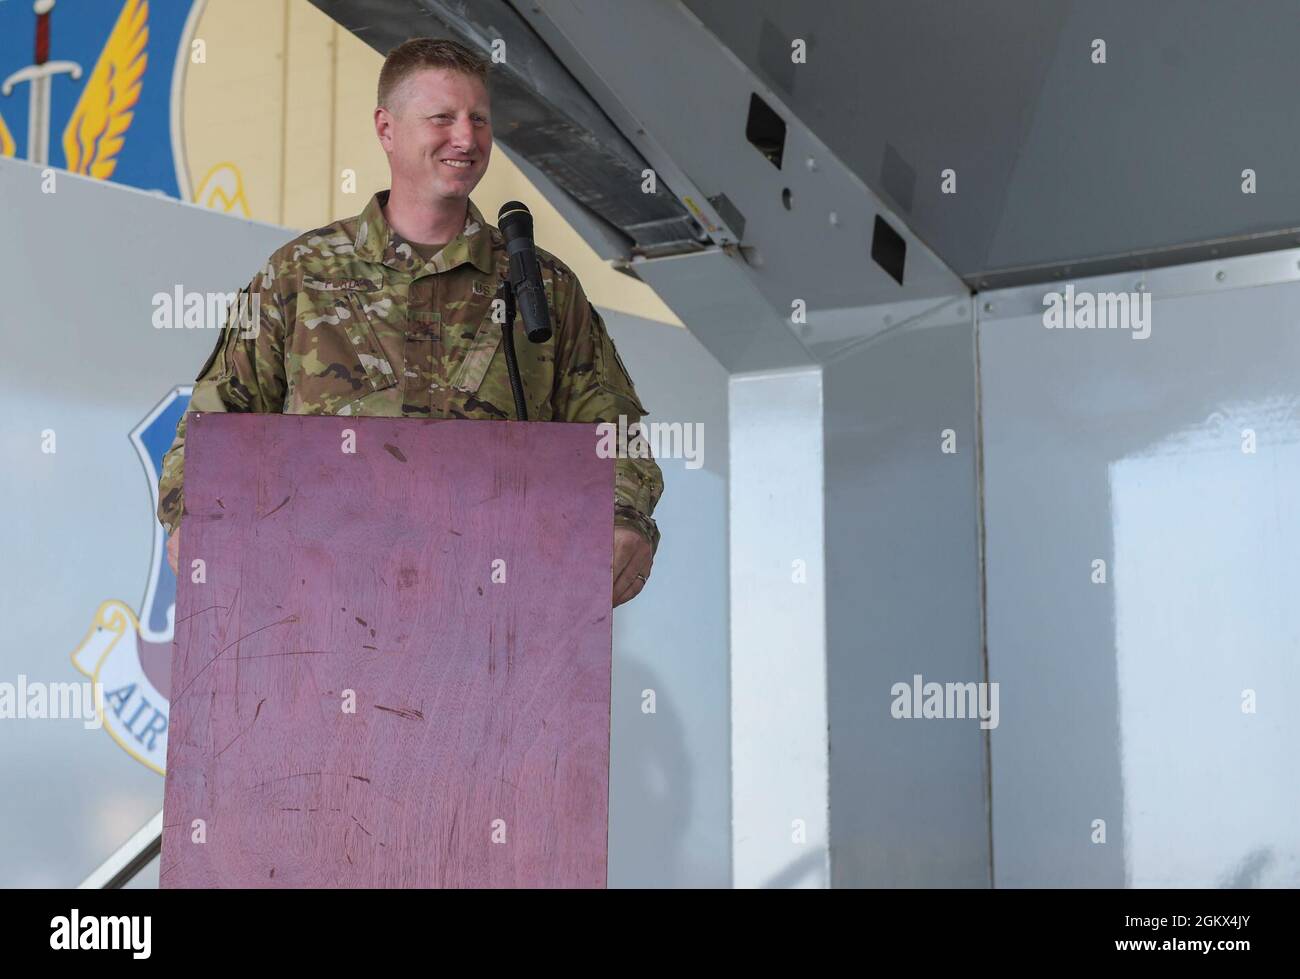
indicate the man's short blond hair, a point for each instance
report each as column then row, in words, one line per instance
column 420, row 53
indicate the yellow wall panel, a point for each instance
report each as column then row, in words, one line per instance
column 309, row 120
column 233, row 108
column 356, row 147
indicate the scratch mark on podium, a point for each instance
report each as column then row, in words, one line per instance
column 284, row 621
column 284, row 778
column 282, row 503
column 410, row 713
column 186, row 618
column 245, row 730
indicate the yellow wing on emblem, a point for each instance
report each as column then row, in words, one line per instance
column 222, row 189
column 95, row 133
column 6, row 139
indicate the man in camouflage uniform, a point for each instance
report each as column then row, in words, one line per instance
column 390, row 313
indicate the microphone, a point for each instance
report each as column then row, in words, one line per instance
column 516, row 224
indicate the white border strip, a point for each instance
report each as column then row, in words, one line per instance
column 1193, row 278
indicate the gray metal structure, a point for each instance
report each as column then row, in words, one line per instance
column 1157, row 700
column 916, row 480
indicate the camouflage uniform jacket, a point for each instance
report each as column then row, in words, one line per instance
column 349, row 320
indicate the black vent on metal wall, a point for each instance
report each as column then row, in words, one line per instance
column 888, row 249
column 765, row 130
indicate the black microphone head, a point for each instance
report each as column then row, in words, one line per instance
column 515, row 219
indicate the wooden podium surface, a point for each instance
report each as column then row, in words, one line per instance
column 395, row 669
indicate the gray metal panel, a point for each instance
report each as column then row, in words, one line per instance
column 670, row 771
column 713, row 293
column 1059, row 162
column 797, row 252
column 778, row 631
column 1123, row 701
column 908, row 795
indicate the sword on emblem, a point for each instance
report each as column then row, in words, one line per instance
column 38, row 76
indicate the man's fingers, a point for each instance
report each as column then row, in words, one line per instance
column 623, row 580
column 628, row 564
column 627, row 585
column 633, row 556
column 629, row 590
column 628, row 580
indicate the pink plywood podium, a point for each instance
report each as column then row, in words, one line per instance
column 392, row 663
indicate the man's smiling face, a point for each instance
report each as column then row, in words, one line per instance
column 437, row 133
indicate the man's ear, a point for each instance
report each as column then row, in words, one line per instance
column 384, row 127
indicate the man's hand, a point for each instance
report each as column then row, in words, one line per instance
column 633, row 556
column 174, row 550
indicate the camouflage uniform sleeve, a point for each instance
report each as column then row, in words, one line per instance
column 592, row 385
column 244, row 372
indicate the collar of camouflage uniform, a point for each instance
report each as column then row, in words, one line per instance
column 376, row 241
